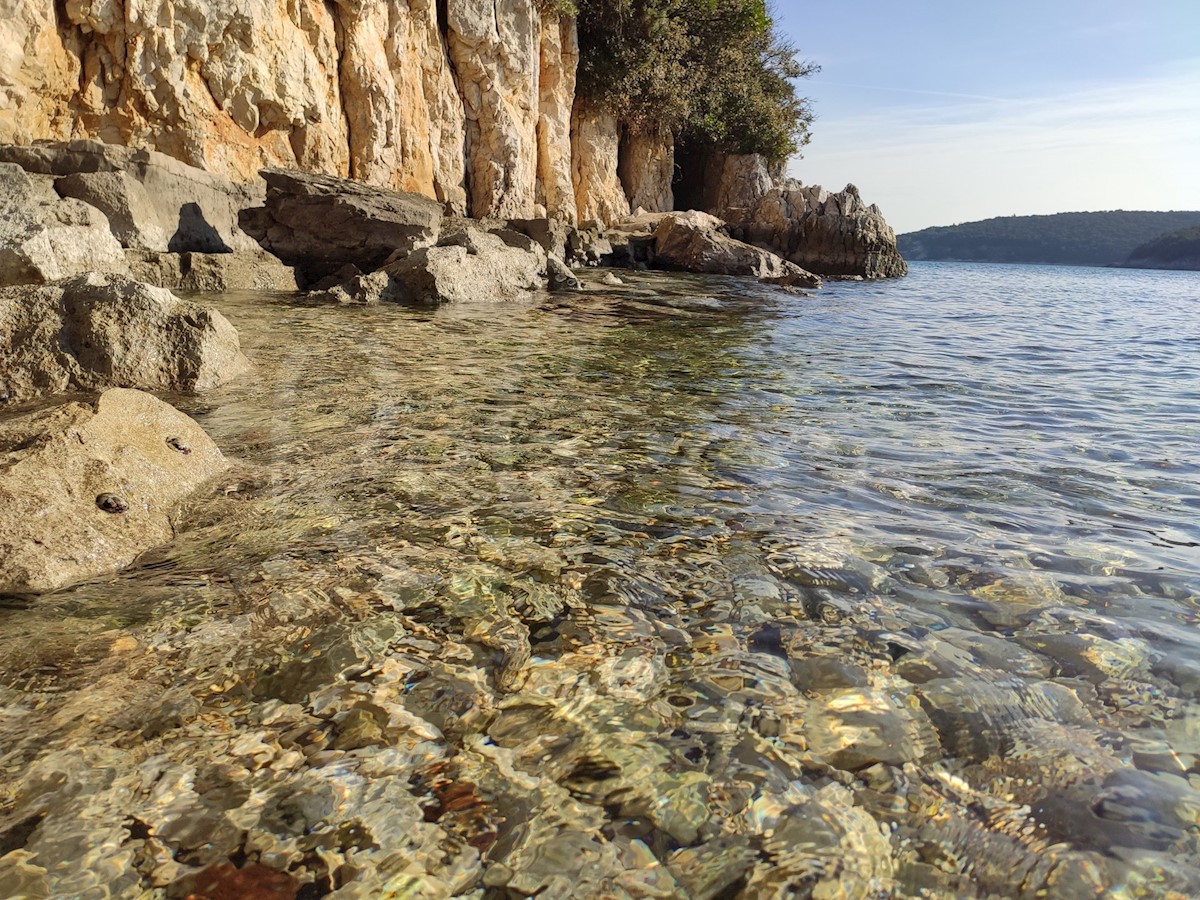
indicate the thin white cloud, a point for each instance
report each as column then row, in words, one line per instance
column 1130, row 146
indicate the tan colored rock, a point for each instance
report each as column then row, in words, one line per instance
column 413, row 95
column 203, row 82
column 43, row 238
column 836, row 235
column 152, row 201
column 405, row 121
column 646, row 168
column 695, row 242
column 212, row 273
column 595, row 146
column 85, row 488
column 38, row 73
column 95, row 331
column 495, row 53
column 558, row 59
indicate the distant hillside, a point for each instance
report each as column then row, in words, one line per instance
column 1178, row 250
column 1070, row 239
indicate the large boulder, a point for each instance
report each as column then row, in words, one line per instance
column 212, row 273
column 85, row 488
column 96, row 331
column 319, row 223
column 836, row 235
column 43, row 238
column 152, row 201
column 695, row 242
column 470, row 264
column 125, row 202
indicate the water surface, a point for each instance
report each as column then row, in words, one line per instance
column 685, row 589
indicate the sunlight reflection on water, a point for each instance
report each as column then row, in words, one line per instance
column 687, row 588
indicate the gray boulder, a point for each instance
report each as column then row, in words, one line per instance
column 551, row 234
column 160, row 204
column 695, row 242
column 587, row 245
column 125, row 202
column 212, row 273
column 96, row 331
column 836, row 235
column 85, row 488
column 43, row 238
column 319, row 223
column 470, row 264
column 560, row 277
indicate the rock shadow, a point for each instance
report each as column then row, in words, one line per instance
column 195, row 234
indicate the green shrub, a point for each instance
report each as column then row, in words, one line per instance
column 713, row 72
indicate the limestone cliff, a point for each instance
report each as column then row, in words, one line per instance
column 470, row 102
column 466, row 101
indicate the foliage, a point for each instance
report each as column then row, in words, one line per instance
column 1082, row 239
column 562, row 7
column 1179, row 249
column 712, row 72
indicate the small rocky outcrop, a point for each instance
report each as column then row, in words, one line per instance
column 85, row 488
column 695, row 242
column 319, row 223
column 43, row 237
column 835, row 235
column 152, row 201
column 559, row 276
column 96, row 331
column 469, row 264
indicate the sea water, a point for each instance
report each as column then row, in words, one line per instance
column 689, row 587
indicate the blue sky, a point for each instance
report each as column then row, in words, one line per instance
column 946, row 111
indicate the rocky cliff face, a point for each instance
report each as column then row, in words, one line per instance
column 467, row 101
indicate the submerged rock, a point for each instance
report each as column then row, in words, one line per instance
column 694, row 242
column 95, row 331
column 43, row 237
column 319, row 223
column 87, row 487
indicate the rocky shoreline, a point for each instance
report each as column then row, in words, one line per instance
column 96, row 237
column 96, row 471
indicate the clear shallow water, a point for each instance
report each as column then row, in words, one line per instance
column 690, row 589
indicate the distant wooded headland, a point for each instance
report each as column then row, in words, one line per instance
column 1116, row 238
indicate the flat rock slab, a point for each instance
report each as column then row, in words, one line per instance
column 152, row 201
column 93, row 332
column 319, row 223
column 85, row 488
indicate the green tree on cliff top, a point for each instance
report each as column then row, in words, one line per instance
column 712, row 72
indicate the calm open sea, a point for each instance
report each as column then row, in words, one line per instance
column 688, row 588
